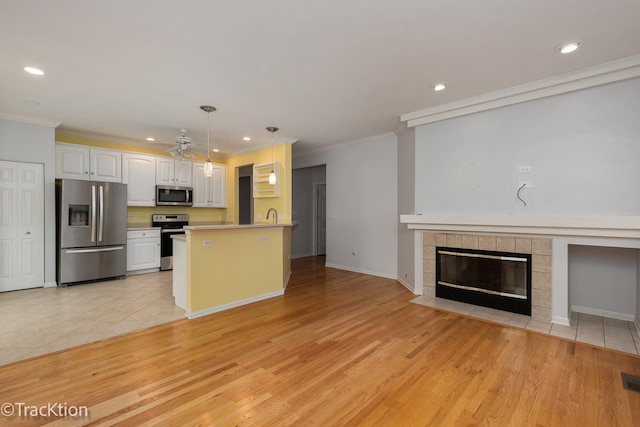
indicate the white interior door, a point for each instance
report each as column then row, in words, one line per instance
column 21, row 226
column 321, row 219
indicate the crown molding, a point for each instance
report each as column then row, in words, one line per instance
column 99, row 137
column 30, row 120
column 348, row 143
column 598, row 75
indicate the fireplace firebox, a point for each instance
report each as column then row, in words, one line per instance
column 500, row 280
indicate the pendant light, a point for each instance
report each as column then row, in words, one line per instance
column 208, row 167
column 272, row 175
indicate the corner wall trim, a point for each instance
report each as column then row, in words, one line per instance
column 356, row 270
column 622, row 69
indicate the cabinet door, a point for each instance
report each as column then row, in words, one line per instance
column 106, row 165
column 72, row 162
column 143, row 253
column 164, row 171
column 139, row 173
column 182, row 173
column 218, row 187
column 200, row 186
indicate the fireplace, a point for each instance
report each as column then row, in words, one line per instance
column 500, row 280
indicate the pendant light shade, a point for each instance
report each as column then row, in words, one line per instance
column 272, row 175
column 208, row 166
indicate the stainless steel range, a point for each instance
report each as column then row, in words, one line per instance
column 169, row 225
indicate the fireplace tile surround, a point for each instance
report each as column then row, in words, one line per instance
column 540, row 250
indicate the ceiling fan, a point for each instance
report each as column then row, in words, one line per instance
column 184, row 148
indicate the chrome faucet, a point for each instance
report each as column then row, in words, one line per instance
column 275, row 215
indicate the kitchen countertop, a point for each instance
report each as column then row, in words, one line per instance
column 195, row 228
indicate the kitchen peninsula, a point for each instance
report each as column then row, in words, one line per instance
column 217, row 267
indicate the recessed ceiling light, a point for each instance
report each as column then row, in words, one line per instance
column 215, row 150
column 151, row 139
column 569, row 47
column 246, row 138
column 439, row 86
column 35, row 71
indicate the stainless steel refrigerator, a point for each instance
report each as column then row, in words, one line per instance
column 91, row 230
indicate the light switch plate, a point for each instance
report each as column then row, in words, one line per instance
column 522, row 169
column 207, row 243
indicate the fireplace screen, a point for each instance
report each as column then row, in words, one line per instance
column 485, row 278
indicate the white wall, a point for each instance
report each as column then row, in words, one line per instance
column 24, row 142
column 362, row 209
column 303, row 198
column 603, row 279
column 406, row 205
column 583, row 148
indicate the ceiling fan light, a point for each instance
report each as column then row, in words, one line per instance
column 272, row 178
column 208, row 168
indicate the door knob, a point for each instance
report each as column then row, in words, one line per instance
column 28, row 232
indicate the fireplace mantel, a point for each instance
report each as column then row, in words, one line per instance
column 585, row 226
column 605, row 231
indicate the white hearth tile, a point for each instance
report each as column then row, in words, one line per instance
column 541, row 246
column 481, row 312
column 422, row 300
column 454, row 240
column 562, row 331
column 519, row 320
column 627, row 346
column 430, row 266
column 429, row 280
column 469, row 241
column 634, row 332
column 441, row 239
column 523, row 245
column 539, row 326
column 541, row 313
column 500, row 316
column 614, row 323
column 541, row 297
column 590, row 338
column 487, row 243
column 621, row 332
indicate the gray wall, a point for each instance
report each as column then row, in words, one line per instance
column 24, row 142
column 362, row 211
column 406, row 205
column 583, row 148
column 302, row 237
column 604, row 279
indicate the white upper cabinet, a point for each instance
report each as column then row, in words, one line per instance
column 209, row 192
column 89, row 164
column 173, row 172
column 139, row 173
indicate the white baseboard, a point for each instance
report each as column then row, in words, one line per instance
column 407, row 285
column 637, row 323
column 356, row 270
column 603, row 313
column 216, row 309
column 50, row 284
column 286, row 281
column 296, row 256
column 557, row 320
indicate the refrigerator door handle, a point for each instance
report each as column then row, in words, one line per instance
column 101, row 213
column 84, row 251
column 93, row 213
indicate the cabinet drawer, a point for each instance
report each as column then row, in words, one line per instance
column 142, row 234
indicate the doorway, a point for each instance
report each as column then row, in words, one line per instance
column 320, row 214
column 245, row 196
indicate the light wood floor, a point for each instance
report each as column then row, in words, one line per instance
column 339, row 348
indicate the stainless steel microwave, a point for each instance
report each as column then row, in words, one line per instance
column 167, row 195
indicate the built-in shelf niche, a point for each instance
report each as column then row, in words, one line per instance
column 261, row 186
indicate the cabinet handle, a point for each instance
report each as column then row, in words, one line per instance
column 86, row 173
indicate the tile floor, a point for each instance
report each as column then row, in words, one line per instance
column 596, row 330
column 43, row 320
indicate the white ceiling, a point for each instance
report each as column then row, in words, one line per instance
column 324, row 72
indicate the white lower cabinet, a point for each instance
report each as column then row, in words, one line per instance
column 143, row 251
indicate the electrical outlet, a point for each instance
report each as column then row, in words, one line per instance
column 264, row 239
column 130, row 216
column 205, row 216
column 526, row 184
column 522, row 169
column 354, row 252
column 207, row 243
